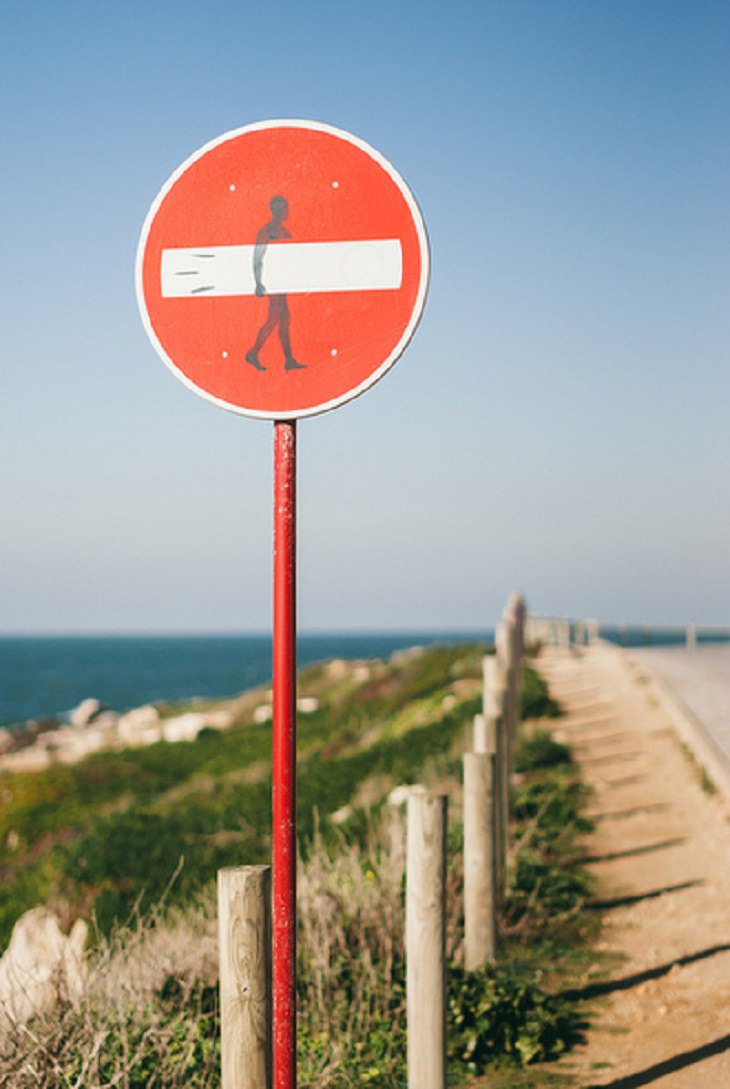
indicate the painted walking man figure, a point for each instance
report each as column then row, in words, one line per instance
column 278, row 316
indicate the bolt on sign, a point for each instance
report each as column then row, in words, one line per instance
column 282, row 269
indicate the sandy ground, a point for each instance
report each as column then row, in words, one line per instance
column 661, row 854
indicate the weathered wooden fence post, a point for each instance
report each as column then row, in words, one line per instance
column 426, row 939
column 504, row 642
column 495, row 741
column 483, row 735
column 244, row 934
column 505, row 647
column 480, row 907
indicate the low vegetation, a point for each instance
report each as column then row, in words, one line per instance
column 104, row 836
column 138, row 835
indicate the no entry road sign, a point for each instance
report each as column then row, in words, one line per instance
column 282, row 269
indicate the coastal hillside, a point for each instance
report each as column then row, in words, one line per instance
column 131, row 840
column 116, row 831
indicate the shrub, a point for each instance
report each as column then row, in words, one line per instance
column 549, row 811
column 541, row 750
column 545, row 888
column 502, row 1012
column 536, row 700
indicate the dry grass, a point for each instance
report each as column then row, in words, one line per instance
column 147, row 1014
column 351, row 951
column 123, row 1031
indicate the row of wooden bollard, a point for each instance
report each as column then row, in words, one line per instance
column 559, row 632
column 244, row 893
column 488, row 770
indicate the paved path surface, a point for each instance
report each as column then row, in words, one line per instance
column 661, row 858
column 700, row 680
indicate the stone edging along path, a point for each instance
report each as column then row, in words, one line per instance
column 661, row 855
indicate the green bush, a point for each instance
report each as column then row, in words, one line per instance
column 541, row 750
column 174, row 1042
column 545, row 888
column 536, row 700
column 552, row 805
column 501, row 1012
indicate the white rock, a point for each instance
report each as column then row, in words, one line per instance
column 106, row 721
column 308, row 704
column 219, row 720
column 48, row 740
column 263, row 713
column 39, row 966
column 184, row 727
column 141, row 715
column 27, row 760
column 150, row 735
column 86, row 711
column 337, row 669
column 132, row 726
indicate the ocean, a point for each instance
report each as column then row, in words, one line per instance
column 624, row 635
column 47, row 676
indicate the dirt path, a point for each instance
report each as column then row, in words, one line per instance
column 661, row 854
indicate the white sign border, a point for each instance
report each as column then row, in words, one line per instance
column 416, row 312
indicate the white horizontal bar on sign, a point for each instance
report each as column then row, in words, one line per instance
column 287, row 268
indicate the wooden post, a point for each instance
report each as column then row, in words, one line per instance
column 244, row 934
column 496, row 686
column 691, row 637
column 484, row 737
column 396, row 829
column 426, row 939
column 505, row 644
column 495, row 715
column 480, row 909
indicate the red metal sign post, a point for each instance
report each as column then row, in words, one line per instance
column 281, row 271
column 284, row 758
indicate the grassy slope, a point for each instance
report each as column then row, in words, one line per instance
column 108, row 833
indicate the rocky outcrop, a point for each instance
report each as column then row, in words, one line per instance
column 141, row 726
column 86, row 712
column 40, row 967
column 184, row 727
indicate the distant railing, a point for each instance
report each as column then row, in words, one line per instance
column 563, row 631
column 626, row 635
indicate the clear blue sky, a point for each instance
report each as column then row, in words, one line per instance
column 559, row 423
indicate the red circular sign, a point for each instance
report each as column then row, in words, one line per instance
column 282, row 269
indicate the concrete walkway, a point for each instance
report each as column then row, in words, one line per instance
column 695, row 686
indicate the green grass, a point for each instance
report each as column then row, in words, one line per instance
column 106, row 838
column 106, row 835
